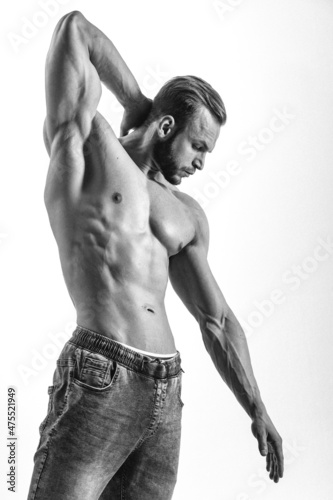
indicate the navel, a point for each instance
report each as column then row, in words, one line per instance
column 116, row 197
column 149, row 308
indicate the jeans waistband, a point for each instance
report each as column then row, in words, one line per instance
column 155, row 367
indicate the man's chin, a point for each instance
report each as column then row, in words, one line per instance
column 175, row 180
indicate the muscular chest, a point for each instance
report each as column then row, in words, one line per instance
column 149, row 213
column 170, row 219
column 133, row 209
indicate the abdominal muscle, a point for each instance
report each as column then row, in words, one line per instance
column 129, row 315
column 117, row 280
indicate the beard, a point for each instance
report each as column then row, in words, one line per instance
column 164, row 156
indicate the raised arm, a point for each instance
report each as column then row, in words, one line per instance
column 224, row 338
column 79, row 59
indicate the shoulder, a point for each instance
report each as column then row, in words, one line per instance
column 199, row 218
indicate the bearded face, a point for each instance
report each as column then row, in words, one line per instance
column 165, row 157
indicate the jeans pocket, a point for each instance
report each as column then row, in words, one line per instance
column 94, row 371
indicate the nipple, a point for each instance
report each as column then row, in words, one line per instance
column 116, row 197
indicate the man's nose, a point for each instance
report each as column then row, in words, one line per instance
column 199, row 164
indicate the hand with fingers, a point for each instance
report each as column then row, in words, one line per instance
column 135, row 115
column 270, row 445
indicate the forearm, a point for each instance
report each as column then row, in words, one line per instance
column 226, row 343
column 110, row 66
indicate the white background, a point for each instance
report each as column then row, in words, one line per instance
column 272, row 213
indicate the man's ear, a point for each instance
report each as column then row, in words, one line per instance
column 166, row 126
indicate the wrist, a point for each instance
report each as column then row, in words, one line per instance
column 257, row 410
column 135, row 101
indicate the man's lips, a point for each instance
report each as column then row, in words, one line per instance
column 189, row 172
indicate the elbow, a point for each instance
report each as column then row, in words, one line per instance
column 74, row 17
column 69, row 24
column 213, row 324
column 213, row 313
column 213, row 334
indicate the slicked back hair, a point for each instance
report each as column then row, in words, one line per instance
column 183, row 96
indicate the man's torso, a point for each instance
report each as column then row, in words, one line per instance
column 115, row 244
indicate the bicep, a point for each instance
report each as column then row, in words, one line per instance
column 191, row 276
column 193, row 281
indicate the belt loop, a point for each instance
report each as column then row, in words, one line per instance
column 144, row 361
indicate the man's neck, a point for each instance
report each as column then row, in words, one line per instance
column 139, row 146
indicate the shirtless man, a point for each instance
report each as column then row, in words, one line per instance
column 113, row 423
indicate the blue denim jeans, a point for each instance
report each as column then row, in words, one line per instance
column 113, row 424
